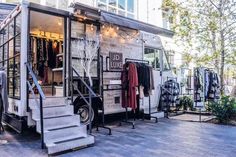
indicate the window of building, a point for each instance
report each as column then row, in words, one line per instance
column 51, row 3
column 10, row 55
column 121, row 7
column 112, row 10
column 112, row 2
column 62, row 4
column 121, row 4
column 12, row 1
column 102, row 6
column 167, row 19
column 130, row 5
column 104, row 1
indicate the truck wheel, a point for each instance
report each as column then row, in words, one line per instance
column 82, row 109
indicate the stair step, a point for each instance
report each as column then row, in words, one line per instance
column 49, row 102
column 58, row 110
column 54, row 116
column 53, row 111
column 54, row 134
column 69, row 143
column 63, row 139
column 58, row 116
column 59, row 122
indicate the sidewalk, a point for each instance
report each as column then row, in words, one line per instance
column 168, row 138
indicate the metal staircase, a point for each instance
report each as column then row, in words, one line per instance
column 59, row 127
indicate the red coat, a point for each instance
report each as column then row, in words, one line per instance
column 129, row 83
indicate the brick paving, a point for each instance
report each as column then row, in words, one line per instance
column 168, row 138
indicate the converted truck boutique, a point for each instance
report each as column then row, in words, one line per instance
column 44, row 53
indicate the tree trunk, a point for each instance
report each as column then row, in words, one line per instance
column 215, row 51
column 222, row 49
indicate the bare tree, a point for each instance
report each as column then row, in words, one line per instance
column 86, row 49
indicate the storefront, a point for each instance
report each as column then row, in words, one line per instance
column 58, row 44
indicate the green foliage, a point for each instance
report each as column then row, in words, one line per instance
column 224, row 109
column 186, row 103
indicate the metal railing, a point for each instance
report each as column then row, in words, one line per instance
column 41, row 98
column 91, row 94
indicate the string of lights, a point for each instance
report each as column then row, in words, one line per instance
column 115, row 31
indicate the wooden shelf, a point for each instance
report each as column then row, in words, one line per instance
column 57, row 69
column 59, row 55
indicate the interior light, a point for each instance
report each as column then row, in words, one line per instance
column 137, row 41
column 117, row 28
column 91, row 27
column 103, row 26
column 59, row 23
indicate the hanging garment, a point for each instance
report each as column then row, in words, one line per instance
column 146, row 81
column 3, row 90
column 198, row 85
column 170, row 94
column 34, row 49
column 125, row 86
column 40, row 58
column 151, row 80
column 130, row 80
column 141, row 94
column 45, row 78
column 51, row 55
column 214, row 87
column 133, row 83
column 207, row 83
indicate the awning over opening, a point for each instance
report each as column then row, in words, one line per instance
column 108, row 17
column 134, row 24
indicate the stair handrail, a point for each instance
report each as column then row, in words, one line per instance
column 35, row 80
column 84, row 83
column 41, row 98
column 91, row 93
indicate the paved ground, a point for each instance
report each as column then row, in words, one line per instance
column 192, row 117
column 168, row 138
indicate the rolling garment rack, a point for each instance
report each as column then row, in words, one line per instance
column 174, row 78
column 169, row 103
column 113, row 89
column 204, row 99
column 149, row 115
column 103, row 114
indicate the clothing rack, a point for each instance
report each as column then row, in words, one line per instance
column 204, row 99
column 149, row 115
column 45, row 37
column 102, row 96
column 113, row 89
column 171, row 93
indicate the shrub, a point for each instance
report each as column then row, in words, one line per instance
column 223, row 109
column 186, row 103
